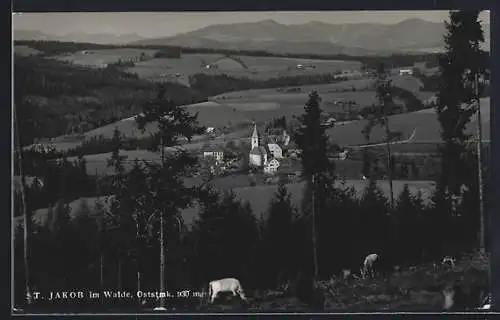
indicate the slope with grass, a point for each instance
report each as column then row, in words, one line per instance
column 425, row 122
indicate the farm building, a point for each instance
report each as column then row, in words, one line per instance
column 210, row 130
column 271, row 167
column 215, row 151
column 405, row 72
column 275, row 150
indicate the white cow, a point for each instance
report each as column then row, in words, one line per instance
column 225, row 285
column 368, row 264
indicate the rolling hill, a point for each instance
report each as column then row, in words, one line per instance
column 425, row 122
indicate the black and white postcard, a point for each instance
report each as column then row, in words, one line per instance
column 251, row 162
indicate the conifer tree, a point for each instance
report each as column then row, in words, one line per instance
column 226, row 237
column 460, row 66
column 462, row 60
column 311, row 139
column 278, row 235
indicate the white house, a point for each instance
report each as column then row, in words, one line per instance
column 405, row 72
column 343, row 155
column 275, row 150
column 210, row 130
column 218, row 155
column 271, row 167
column 213, row 151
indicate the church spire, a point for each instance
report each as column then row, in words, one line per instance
column 255, row 137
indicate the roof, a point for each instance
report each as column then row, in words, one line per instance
column 212, row 148
column 258, row 151
column 255, row 131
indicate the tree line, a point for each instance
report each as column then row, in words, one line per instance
column 54, row 98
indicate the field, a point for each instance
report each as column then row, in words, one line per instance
column 425, row 122
column 241, row 66
column 172, row 69
column 260, row 196
column 210, row 114
column 25, row 50
column 409, row 83
column 243, row 107
column 96, row 58
column 348, row 134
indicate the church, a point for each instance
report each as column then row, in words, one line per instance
column 262, row 157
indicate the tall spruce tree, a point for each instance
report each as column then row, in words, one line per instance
column 312, row 140
column 278, row 236
column 317, row 169
column 460, row 63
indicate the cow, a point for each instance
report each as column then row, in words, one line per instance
column 232, row 285
column 448, row 261
column 368, row 265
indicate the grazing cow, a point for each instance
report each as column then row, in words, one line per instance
column 225, row 285
column 368, row 265
column 448, row 261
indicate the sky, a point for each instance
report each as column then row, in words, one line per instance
column 160, row 24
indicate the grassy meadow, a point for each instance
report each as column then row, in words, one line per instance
column 243, row 107
column 425, row 122
column 259, row 68
column 97, row 58
column 23, row 50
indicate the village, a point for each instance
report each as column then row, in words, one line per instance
column 270, row 156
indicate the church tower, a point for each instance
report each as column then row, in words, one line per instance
column 255, row 138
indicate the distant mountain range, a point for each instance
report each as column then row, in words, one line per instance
column 98, row 38
column 411, row 35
